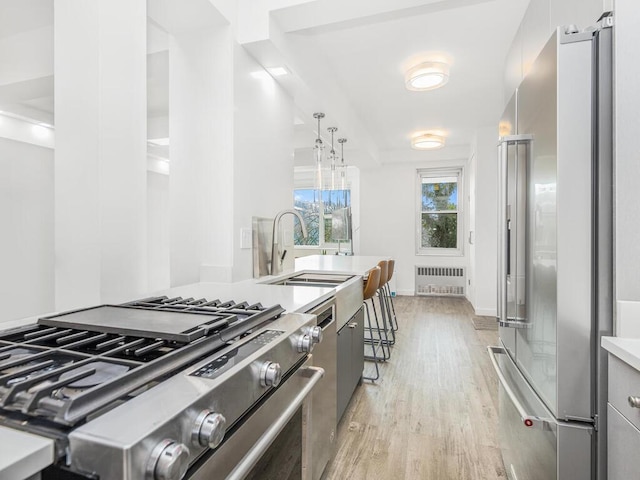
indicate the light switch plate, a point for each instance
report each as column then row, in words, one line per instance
column 245, row 238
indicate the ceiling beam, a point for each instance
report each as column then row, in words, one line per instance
column 327, row 15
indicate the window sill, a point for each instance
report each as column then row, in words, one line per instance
column 440, row 253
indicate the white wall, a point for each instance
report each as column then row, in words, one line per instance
column 158, row 228
column 263, row 154
column 483, row 182
column 388, row 204
column 201, row 152
column 26, row 242
column 540, row 20
column 100, row 156
column 627, row 164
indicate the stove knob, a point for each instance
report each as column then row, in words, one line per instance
column 270, row 374
column 172, row 461
column 209, row 429
column 305, row 344
column 316, row 334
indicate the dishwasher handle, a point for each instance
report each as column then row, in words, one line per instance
column 531, row 421
column 251, row 458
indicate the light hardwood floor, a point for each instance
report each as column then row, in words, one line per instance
column 432, row 415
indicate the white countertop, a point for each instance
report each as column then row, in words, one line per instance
column 23, row 455
column 626, row 349
column 356, row 264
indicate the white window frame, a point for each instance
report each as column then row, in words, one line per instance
column 434, row 173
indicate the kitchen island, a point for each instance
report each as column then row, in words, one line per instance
column 32, row 453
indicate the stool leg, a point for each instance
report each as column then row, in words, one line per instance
column 386, row 316
column 374, row 347
column 394, row 319
column 383, row 341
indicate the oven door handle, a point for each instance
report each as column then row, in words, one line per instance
column 267, row 438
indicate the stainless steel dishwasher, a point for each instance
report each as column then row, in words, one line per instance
column 324, row 401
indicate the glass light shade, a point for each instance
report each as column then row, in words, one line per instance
column 427, row 76
column 318, row 155
column 332, row 158
column 427, row 141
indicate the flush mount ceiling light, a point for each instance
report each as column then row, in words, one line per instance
column 427, row 141
column 427, row 76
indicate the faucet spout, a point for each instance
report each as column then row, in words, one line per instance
column 276, row 260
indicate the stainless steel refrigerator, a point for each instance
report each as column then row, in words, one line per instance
column 555, row 260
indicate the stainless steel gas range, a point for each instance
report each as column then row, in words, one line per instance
column 165, row 388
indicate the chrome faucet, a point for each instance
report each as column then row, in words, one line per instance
column 276, row 258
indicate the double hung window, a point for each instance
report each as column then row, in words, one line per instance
column 439, row 218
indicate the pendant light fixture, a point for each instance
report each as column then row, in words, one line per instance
column 343, row 167
column 318, row 155
column 332, row 158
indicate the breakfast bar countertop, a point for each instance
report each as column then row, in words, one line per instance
column 355, row 264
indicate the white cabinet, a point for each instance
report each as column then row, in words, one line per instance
column 623, row 447
column 623, row 421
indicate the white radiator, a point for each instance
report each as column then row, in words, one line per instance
column 440, row 280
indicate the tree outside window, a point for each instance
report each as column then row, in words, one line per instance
column 439, row 218
column 310, row 203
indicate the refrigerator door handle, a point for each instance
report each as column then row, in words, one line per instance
column 505, row 224
column 531, row 421
column 503, row 232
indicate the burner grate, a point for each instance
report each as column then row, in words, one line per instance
column 68, row 366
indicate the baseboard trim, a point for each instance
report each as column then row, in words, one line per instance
column 406, row 293
column 485, row 312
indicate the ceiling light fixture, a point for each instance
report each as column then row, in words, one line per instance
column 427, row 76
column 427, row 141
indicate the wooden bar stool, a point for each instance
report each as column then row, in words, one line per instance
column 394, row 319
column 370, row 289
column 387, row 333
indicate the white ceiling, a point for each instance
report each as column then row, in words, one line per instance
column 369, row 62
column 348, row 59
column 18, row 16
column 367, row 47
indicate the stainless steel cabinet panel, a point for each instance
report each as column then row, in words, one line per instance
column 324, row 412
column 536, row 345
column 554, row 108
column 350, row 359
column 357, row 347
column 623, row 448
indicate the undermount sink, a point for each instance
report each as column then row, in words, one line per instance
column 313, row 280
column 348, row 290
